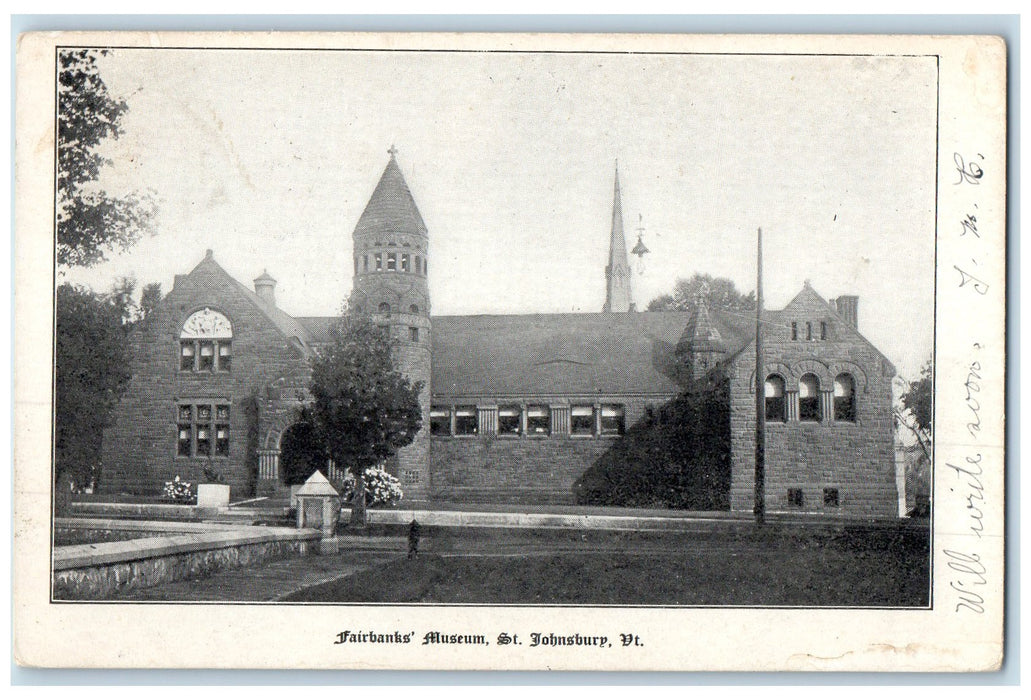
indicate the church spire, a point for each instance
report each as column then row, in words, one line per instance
column 618, row 296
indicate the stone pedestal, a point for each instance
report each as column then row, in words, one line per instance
column 212, row 495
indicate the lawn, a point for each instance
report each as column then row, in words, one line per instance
column 781, row 565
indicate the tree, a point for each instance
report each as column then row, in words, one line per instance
column 122, row 297
column 363, row 408
column 914, row 409
column 92, row 360
column 719, row 292
column 90, row 222
column 676, row 456
column 150, row 297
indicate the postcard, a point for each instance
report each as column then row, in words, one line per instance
column 475, row 351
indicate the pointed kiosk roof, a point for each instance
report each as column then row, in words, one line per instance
column 391, row 208
column 317, row 485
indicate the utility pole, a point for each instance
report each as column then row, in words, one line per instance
column 760, row 394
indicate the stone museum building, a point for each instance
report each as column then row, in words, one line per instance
column 515, row 408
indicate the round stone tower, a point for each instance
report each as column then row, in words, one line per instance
column 390, row 284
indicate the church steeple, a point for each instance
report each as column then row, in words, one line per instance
column 618, row 296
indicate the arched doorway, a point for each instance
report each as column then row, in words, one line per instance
column 301, row 453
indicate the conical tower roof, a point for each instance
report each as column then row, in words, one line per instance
column 701, row 334
column 391, row 208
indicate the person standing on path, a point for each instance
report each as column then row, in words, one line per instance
column 413, row 538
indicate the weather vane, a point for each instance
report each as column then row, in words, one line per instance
column 640, row 249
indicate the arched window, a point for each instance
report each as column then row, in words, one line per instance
column 384, row 308
column 844, row 398
column 206, row 343
column 414, row 309
column 775, row 405
column 809, row 398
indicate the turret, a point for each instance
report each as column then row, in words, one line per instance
column 390, row 283
column 265, row 288
column 701, row 346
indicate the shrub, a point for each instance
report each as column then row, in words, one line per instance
column 381, row 487
column 178, row 490
column 213, row 476
column 677, row 456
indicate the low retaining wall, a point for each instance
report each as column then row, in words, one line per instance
column 98, row 571
column 672, row 521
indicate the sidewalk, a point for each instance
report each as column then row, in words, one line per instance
column 500, row 516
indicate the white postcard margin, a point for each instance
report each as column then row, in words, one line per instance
column 963, row 631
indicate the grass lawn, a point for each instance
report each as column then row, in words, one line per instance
column 782, row 565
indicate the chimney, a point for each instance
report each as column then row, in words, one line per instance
column 848, row 309
column 265, row 288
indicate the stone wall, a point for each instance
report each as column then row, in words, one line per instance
column 854, row 457
column 519, row 469
column 100, row 571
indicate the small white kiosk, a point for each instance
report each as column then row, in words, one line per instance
column 318, row 506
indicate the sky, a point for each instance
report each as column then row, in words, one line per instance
column 269, row 157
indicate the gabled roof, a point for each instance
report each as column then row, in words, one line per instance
column 586, row 354
column 290, row 327
column 810, row 295
column 563, row 354
column 319, row 327
column 391, row 208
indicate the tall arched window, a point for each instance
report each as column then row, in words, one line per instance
column 775, row 405
column 206, row 343
column 809, row 398
column 844, row 398
column 384, row 308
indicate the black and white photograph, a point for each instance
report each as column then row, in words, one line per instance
column 515, row 352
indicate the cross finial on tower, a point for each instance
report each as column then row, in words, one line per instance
column 392, row 151
column 703, row 293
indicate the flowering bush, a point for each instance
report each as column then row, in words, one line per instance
column 381, row 487
column 178, row 490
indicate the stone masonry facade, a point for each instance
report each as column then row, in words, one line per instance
column 523, row 469
column 839, row 466
column 515, row 408
column 262, row 390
